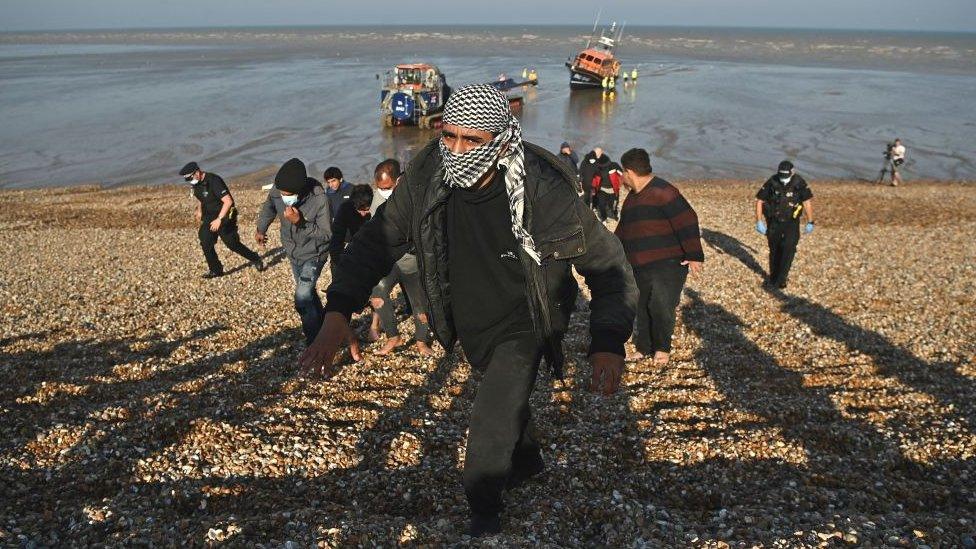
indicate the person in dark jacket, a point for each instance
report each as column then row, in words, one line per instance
column 337, row 189
column 353, row 214
column 569, row 156
column 779, row 204
column 217, row 216
column 660, row 234
column 301, row 206
column 497, row 227
column 594, row 169
column 606, row 188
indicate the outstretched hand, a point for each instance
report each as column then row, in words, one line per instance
column 317, row 360
column 608, row 368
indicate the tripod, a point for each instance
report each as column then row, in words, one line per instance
column 892, row 166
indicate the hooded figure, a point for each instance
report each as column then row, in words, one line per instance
column 301, row 206
column 498, row 228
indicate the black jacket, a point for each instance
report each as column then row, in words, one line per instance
column 565, row 231
column 784, row 203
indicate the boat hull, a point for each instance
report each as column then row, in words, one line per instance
column 582, row 80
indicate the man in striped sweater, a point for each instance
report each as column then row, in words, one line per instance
column 660, row 234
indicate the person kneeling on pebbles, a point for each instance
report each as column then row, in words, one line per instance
column 217, row 216
column 301, row 205
column 497, row 227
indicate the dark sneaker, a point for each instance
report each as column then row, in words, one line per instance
column 213, row 275
column 484, row 525
column 781, row 285
column 258, row 265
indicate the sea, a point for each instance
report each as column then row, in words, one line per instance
column 132, row 106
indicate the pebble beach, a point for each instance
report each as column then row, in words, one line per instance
column 142, row 405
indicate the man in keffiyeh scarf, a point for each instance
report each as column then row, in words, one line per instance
column 498, row 227
column 485, row 110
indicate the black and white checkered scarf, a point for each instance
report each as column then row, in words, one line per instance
column 482, row 107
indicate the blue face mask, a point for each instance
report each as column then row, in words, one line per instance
column 290, row 200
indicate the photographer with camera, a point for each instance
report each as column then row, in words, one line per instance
column 894, row 158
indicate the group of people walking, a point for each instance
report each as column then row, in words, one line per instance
column 483, row 232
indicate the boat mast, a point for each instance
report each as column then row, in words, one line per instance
column 593, row 32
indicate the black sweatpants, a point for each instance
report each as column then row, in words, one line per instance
column 660, row 286
column 782, row 238
column 500, row 434
column 227, row 233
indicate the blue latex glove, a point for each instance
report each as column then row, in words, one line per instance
column 761, row 227
column 808, row 228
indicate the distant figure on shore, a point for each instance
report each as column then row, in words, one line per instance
column 779, row 204
column 405, row 272
column 337, row 189
column 660, row 234
column 302, row 208
column 218, row 218
column 894, row 158
column 590, row 168
column 569, row 156
column 503, row 287
column 353, row 214
column 601, row 181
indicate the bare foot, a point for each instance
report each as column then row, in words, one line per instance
column 635, row 356
column 423, row 349
column 391, row 344
column 374, row 334
column 661, row 358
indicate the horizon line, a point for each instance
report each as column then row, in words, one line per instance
column 482, row 25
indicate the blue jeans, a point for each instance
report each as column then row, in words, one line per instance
column 307, row 301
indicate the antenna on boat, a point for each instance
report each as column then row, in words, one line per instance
column 620, row 36
column 597, row 22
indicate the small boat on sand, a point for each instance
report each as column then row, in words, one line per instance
column 596, row 67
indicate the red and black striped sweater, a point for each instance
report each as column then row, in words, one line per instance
column 656, row 224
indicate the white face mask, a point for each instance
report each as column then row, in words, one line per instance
column 192, row 181
column 289, row 200
column 784, row 179
column 385, row 193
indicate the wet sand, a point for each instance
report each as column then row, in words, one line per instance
column 142, row 403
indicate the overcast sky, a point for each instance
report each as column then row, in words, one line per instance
column 945, row 15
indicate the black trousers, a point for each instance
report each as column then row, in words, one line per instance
column 606, row 205
column 227, row 233
column 782, row 238
column 500, row 435
column 660, row 286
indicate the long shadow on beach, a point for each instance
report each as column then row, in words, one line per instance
column 234, row 388
column 942, row 381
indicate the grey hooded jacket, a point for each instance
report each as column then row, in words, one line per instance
column 310, row 238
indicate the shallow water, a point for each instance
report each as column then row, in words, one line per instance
column 134, row 107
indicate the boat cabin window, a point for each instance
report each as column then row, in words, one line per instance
column 410, row 76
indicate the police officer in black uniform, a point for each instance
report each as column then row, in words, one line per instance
column 779, row 205
column 218, row 218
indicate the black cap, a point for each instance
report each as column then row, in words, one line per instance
column 565, row 145
column 785, row 166
column 292, row 177
column 189, row 168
